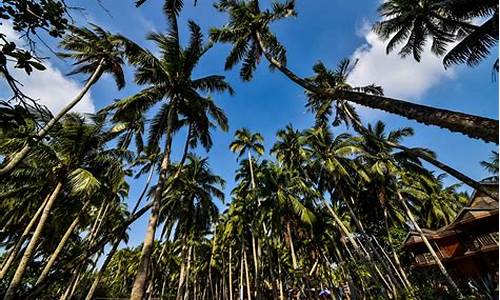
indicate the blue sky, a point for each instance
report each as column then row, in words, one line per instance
column 326, row 30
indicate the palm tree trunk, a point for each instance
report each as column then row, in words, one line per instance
column 342, row 226
column 14, row 252
column 28, row 253
column 292, row 249
column 280, row 281
column 469, row 125
column 19, row 156
column 188, row 269
column 138, row 288
column 104, row 265
column 240, row 278
column 256, row 266
column 182, row 274
column 230, row 273
column 448, row 169
column 393, row 250
column 250, row 163
column 247, row 276
column 61, row 244
column 402, row 277
column 428, row 245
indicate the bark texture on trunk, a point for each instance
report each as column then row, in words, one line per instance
column 472, row 126
column 30, row 249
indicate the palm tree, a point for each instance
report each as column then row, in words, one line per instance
column 249, row 33
column 382, row 162
column 96, row 52
column 191, row 208
column 438, row 205
column 444, row 22
column 324, row 107
column 169, row 82
column 248, row 142
column 492, row 165
column 77, row 156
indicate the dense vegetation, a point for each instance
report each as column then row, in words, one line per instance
column 325, row 210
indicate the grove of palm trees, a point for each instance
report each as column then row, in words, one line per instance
column 129, row 201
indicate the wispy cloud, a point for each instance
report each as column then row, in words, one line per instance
column 50, row 86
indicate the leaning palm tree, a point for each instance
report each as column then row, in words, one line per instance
column 169, row 82
column 77, row 157
column 249, row 32
column 387, row 166
column 96, row 52
column 325, row 107
column 245, row 141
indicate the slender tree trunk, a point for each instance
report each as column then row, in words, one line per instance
column 20, row 155
column 448, row 169
column 14, row 252
column 342, row 226
column 61, row 244
column 256, row 267
column 428, row 245
column 138, row 288
column 188, row 269
column 182, row 274
column 393, row 250
column 374, row 249
column 292, row 249
column 104, row 265
column 280, row 281
column 470, row 125
column 30, row 249
column 240, row 278
column 247, row 276
column 230, row 273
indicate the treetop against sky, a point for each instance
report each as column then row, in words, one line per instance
column 327, row 31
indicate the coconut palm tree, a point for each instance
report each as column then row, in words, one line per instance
column 77, row 155
column 382, row 162
column 324, row 108
column 444, row 22
column 169, row 82
column 96, row 52
column 191, row 208
column 245, row 141
column 249, row 33
column 437, row 205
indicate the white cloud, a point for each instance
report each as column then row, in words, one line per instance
column 400, row 77
column 53, row 89
column 50, row 86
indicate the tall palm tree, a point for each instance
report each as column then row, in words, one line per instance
column 96, row 52
column 77, row 154
column 191, row 208
column 169, row 82
column 245, row 141
column 249, row 33
column 385, row 165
